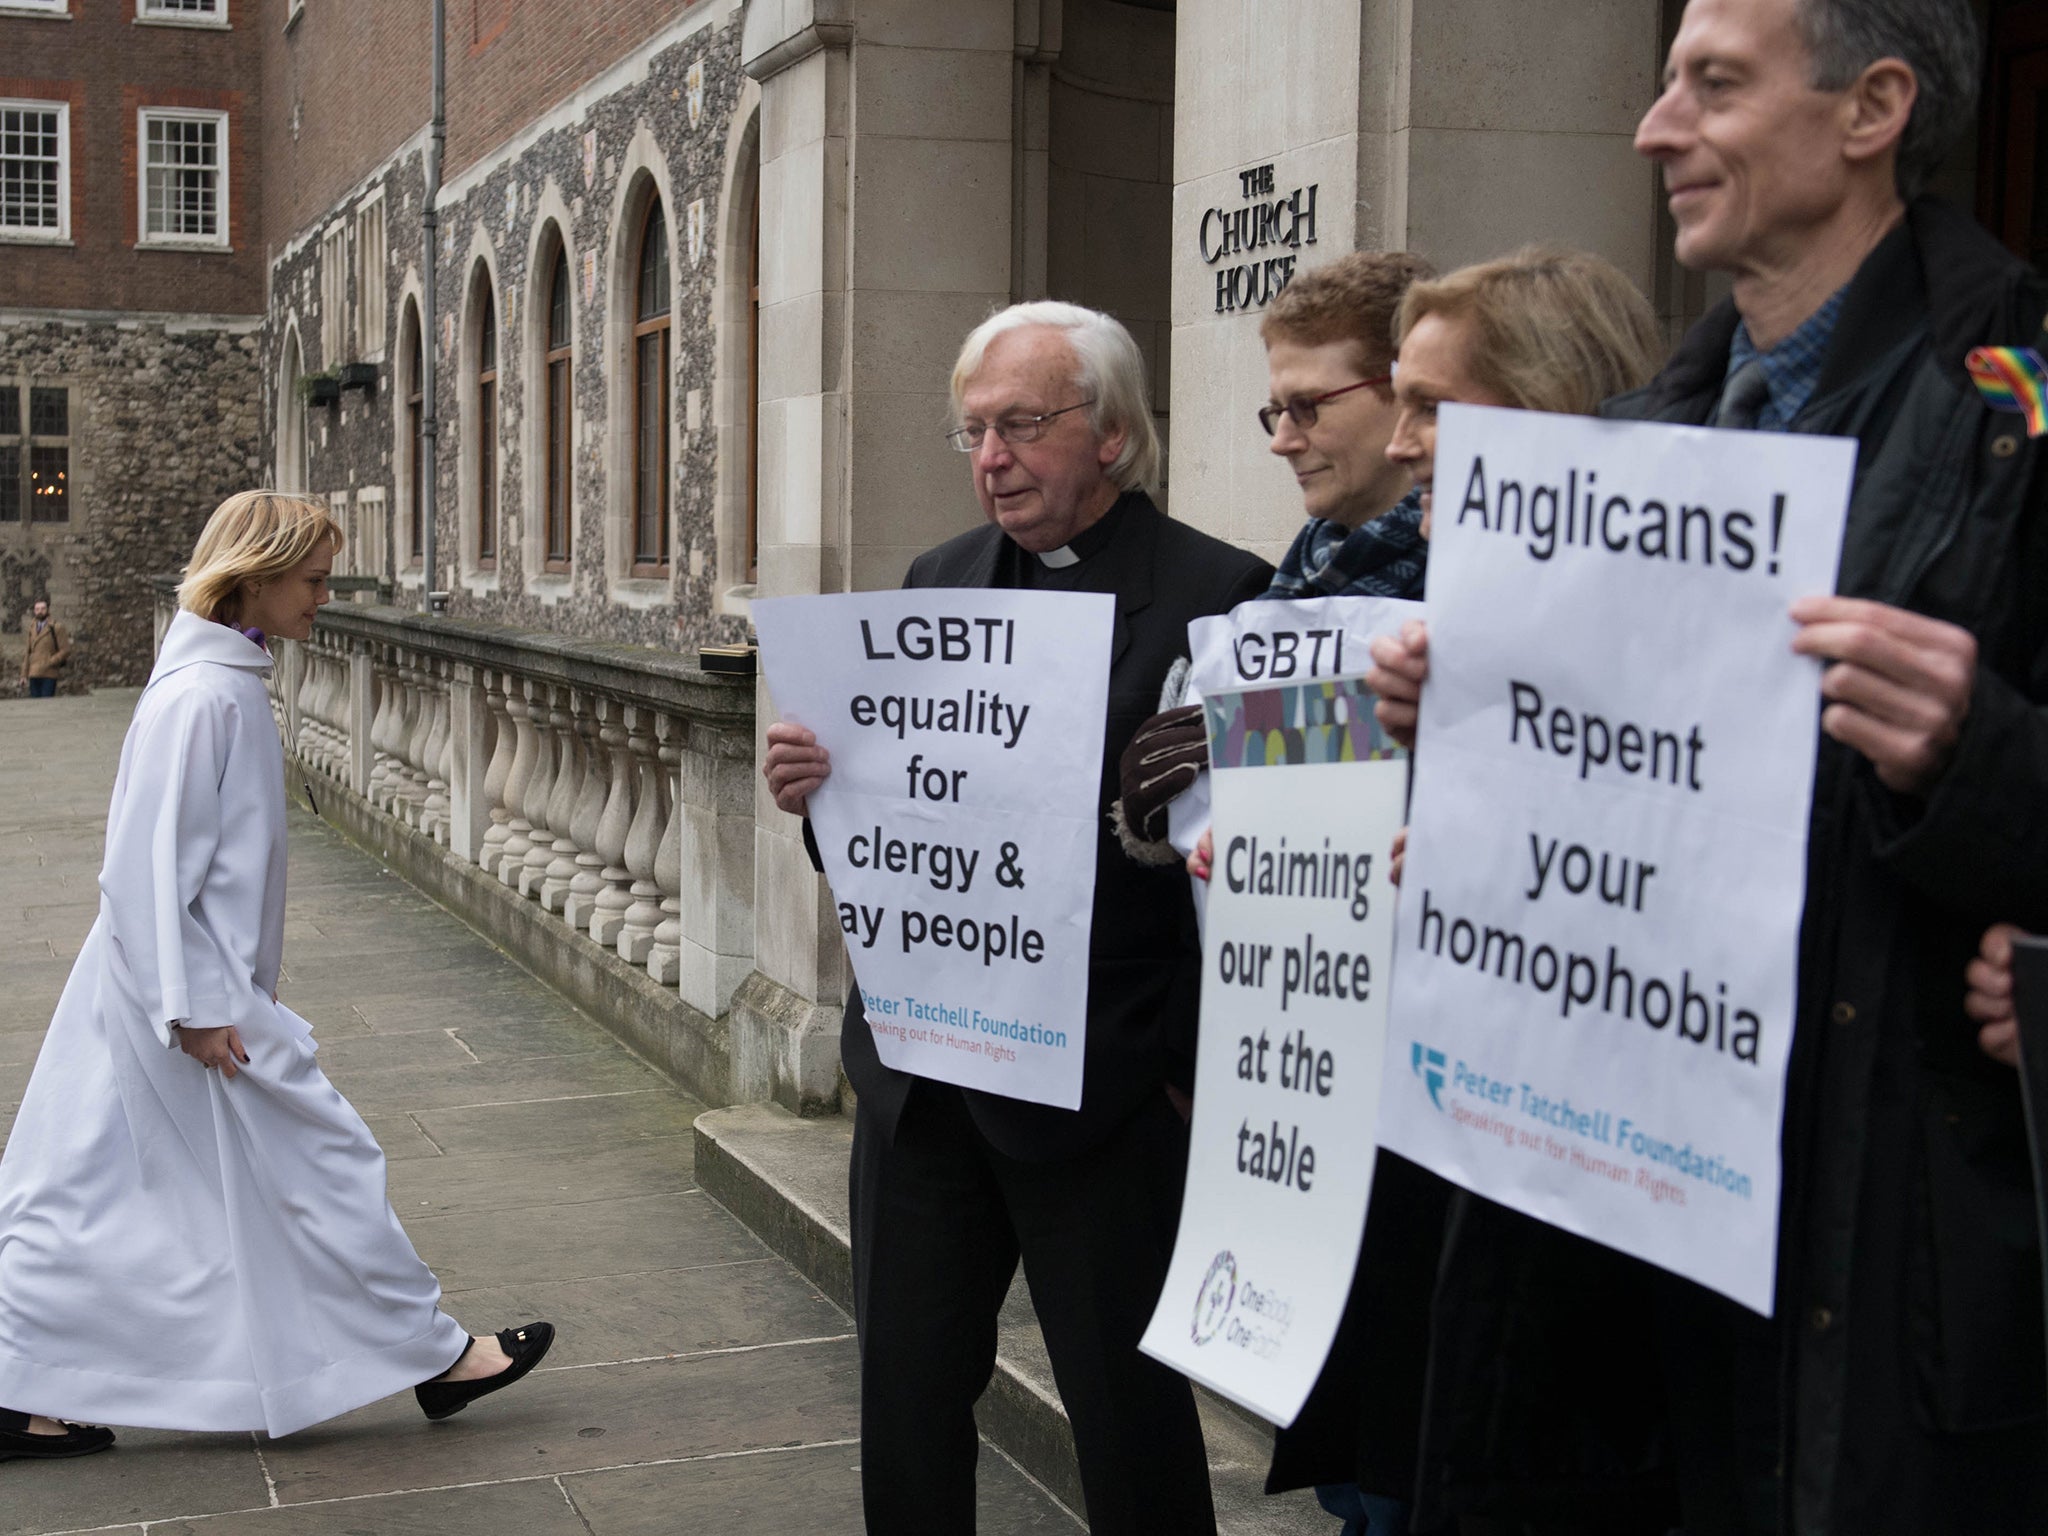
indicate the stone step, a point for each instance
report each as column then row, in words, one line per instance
column 785, row 1177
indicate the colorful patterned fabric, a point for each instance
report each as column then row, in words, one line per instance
column 1385, row 558
column 1319, row 722
column 1792, row 367
column 2012, row 379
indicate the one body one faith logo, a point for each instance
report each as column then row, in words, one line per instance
column 1429, row 1066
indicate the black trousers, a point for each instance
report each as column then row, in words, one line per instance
column 940, row 1219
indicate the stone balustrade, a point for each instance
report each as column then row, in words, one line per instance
column 554, row 791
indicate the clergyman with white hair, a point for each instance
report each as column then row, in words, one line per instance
column 951, row 1186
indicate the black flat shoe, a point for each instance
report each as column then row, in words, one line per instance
column 439, row 1399
column 17, row 1444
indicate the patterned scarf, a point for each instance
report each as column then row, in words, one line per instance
column 1384, row 558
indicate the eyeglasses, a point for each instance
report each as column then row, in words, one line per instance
column 1011, row 429
column 1302, row 408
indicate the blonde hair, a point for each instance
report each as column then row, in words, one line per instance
column 1554, row 329
column 1109, row 369
column 253, row 536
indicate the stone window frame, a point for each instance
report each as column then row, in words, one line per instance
column 371, row 532
column 480, row 268
column 371, row 268
column 408, row 405
column 56, row 10
column 735, row 410
column 209, row 14
column 653, row 338
column 642, row 173
column 19, row 434
column 333, row 293
column 12, row 234
column 290, row 441
column 338, row 509
column 551, row 581
column 222, row 203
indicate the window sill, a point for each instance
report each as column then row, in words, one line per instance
column 193, row 23
column 188, row 247
column 27, row 237
column 739, row 601
column 640, row 592
column 37, row 11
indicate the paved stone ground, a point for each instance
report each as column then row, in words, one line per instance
column 699, row 1384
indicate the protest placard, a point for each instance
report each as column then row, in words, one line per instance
column 1262, row 643
column 1308, row 794
column 958, row 826
column 1596, row 947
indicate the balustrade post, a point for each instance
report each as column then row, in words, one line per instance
column 362, row 701
column 664, row 956
column 608, row 907
column 540, row 790
column 469, row 763
column 518, row 830
column 434, row 812
column 584, row 885
column 496, row 777
column 636, row 938
column 568, row 792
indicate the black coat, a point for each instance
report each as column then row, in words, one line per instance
column 1144, row 953
column 1900, row 1386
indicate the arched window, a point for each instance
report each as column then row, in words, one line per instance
column 415, row 412
column 555, row 556
column 486, row 426
column 650, row 399
column 291, row 418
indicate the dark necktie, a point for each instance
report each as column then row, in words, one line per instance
column 1743, row 397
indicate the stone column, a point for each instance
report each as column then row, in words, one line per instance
column 362, row 710
column 1458, row 129
column 868, row 284
column 471, row 813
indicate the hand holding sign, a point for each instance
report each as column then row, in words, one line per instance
column 1899, row 687
column 794, row 767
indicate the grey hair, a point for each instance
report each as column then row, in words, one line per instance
column 1937, row 39
column 1108, row 368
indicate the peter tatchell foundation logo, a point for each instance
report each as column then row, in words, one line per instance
column 1428, row 1065
column 1213, row 1299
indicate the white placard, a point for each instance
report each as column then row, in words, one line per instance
column 1597, row 942
column 1285, row 640
column 1309, row 793
column 958, row 826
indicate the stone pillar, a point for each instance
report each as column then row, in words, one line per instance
column 868, row 283
column 1458, row 129
column 469, row 803
column 362, row 712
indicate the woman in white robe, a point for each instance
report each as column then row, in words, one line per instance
column 194, row 1229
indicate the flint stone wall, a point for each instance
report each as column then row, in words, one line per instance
column 163, row 427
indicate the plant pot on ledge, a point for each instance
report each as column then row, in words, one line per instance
column 320, row 389
column 361, row 376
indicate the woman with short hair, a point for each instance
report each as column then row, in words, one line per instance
column 194, row 1232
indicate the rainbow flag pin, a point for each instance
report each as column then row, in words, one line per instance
column 2012, row 379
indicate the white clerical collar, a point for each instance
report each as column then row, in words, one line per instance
column 1058, row 559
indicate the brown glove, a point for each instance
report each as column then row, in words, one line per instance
column 1163, row 759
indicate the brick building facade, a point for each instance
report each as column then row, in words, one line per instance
column 131, row 295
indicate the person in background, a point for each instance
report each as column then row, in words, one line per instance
column 45, row 651
column 1899, row 1387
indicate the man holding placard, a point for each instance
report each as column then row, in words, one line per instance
column 1897, row 1384
column 949, row 1184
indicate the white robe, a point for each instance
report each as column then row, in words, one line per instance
column 178, row 1251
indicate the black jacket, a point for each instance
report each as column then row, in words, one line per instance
column 1144, row 961
column 1901, row 1385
